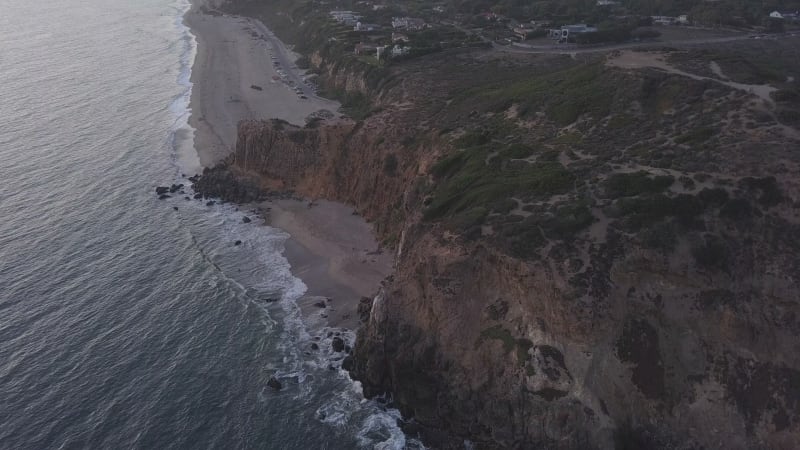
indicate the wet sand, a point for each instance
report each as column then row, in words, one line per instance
column 335, row 254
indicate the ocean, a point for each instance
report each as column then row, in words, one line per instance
column 128, row 321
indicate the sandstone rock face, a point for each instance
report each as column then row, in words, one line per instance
column 637, row 349
column 657, row 363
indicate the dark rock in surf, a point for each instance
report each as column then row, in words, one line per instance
column 314, row 346
column 161, row 190
column 320, row 305
column 274, row 384
column 198, row 196
column 246, row 219
column 348, row 363
column 237, row 243
column 337, row 344
column 210, row 203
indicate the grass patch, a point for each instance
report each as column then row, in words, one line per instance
column 640, row 212
column 620, row 121
column 637, row 183
column 769, row 193
column 465, row 181
column 569, row 138
column 499, row 333
column 568, row 93
column 696, row 136
column 568, row 220
column 517, row 151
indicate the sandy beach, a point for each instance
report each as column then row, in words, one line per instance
column 332, row 250
column 234, row 55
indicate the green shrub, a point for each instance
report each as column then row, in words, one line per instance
column 696, row 136
column 499, row 333
column 516, row 151
column 769, row 192
column 661, row 236
column 713, row 197
column 644, row 211
column 620, row 121
column 737, row 209
column 633, row 184
column 390, row 164
column 567, row 221
column 712, row 254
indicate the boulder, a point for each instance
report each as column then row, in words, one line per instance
column 274, row 384
column 237, row 243
column 175, row 188
column 246, row 219
column 210, row 203
column 161, row 190
column 348, row 363
column 314, row 346
column 337, row 344
column 198, row 196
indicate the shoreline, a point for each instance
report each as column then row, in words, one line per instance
column 234, row 78
column 332, row 250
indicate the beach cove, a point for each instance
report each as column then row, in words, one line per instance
column 243, row 72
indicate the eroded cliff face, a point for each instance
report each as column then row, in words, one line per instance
column 614, row 334
column 493, row 348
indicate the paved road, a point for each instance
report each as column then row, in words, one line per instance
column 569, row 49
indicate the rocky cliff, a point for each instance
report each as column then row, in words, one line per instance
column 588, row 257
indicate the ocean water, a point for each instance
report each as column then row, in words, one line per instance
column 124, row 322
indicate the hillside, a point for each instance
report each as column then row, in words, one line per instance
column 592, row 252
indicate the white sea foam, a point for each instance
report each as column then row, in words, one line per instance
column 186, row 158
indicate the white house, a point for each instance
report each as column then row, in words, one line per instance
column 345, row 17
column 398, row 51
column 360, row 26
column 407, row 23
column 663, row 20
column 562, row 34
column 786, row 15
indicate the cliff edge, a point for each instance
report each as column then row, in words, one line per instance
column 589, row 254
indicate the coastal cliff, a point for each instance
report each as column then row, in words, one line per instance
column 587, row 257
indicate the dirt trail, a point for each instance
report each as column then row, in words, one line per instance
column 657, row 60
